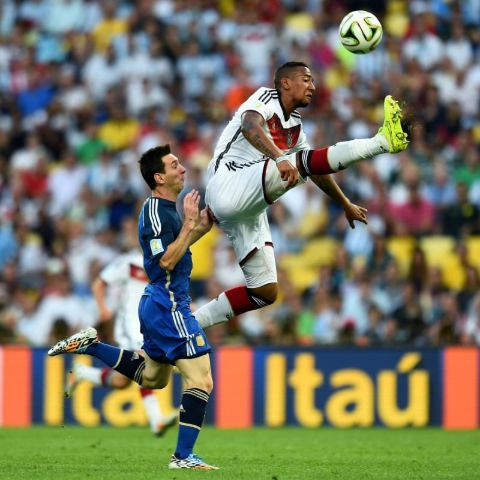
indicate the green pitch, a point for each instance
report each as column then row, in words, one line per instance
column 71, row 453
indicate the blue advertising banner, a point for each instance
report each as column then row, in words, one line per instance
column 309, row 387
column 347, row 387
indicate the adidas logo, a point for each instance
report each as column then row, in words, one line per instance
column 181, row 409
column 341, row 166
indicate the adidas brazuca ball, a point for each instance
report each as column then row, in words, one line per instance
column 360, row 32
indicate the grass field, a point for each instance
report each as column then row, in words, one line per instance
column 106, row 453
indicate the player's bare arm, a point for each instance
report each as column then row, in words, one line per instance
column 252, row 130
column 105, row 314
column 178, row 247
column 330, row 187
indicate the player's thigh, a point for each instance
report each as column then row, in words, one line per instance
column 237, row 194
column 273, row 185
column 155, row 372
column 196, row 372
column 260, row 268
column 248, row 235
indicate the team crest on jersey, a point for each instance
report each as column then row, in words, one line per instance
column 156, row 246
column 200, row 341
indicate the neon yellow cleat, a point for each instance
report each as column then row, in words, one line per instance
column 392, row 126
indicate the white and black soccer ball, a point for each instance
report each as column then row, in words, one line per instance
column 360, row 32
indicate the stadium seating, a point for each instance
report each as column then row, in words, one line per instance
column 401, row 248
column 437, row 249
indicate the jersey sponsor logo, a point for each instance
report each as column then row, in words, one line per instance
column 156, row 246
column 284, row 138
column 138, row 273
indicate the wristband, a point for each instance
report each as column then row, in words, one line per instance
column 282, row 158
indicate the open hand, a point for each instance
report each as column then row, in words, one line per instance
column 190, row 208
column 355, row 212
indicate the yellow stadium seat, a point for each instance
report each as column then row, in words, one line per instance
column 312, row 223
column 473, row 247
column 202, row 255
column 320, row 251
column 300, row 271
column 453, row 272
column 437, row 249
column 303, row 277
column 401, row 248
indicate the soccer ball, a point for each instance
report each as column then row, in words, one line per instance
column 360, row 32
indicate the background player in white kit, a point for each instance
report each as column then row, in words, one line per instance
column 127, row 273
column 262, row 153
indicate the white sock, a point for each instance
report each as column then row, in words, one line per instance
column 216, row 311
column 343, row 154
column 92, row 374
column 153, row 410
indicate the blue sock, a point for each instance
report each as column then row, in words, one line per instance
column 192, row 413
column 129, row 363
column 108, row 354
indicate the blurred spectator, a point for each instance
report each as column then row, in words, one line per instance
column 409, row 318
column 87, row 85
column 461, row 218
column 416, row 214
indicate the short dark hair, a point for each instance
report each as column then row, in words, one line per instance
column 151, row 162
column 285, row 70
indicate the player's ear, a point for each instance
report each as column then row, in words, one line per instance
column 285, row 82
column 159, row 178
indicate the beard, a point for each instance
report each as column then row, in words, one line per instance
column 302, row 104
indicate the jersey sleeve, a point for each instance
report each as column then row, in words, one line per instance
column 156, row 231
column 261, row 102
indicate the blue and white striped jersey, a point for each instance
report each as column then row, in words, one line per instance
column 159, row 225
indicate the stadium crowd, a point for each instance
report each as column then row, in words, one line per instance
column 87, row 85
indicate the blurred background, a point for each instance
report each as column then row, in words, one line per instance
column 87, row 85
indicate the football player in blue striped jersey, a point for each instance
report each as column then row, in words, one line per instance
column 171, row 334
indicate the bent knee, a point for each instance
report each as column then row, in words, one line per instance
column 154, row 382
column 205, row 384
column 267, row 293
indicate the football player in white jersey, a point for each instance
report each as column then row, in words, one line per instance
column 127, row 273
column 262, row 153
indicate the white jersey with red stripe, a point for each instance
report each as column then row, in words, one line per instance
column 127, row 272
column 243, row 182
column 233, row 148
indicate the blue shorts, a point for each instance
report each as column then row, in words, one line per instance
column 169, row 336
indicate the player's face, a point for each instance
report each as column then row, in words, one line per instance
column 174, row 175
column 302, row 86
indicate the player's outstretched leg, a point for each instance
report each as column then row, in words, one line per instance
column 390, row 139
column 392, row 126
column 77, row 343
column 126, row 362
